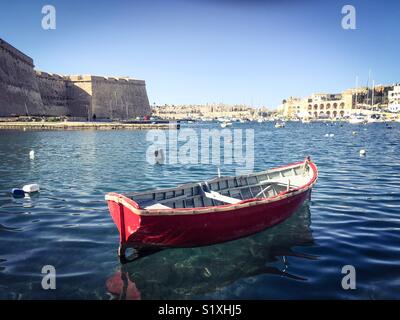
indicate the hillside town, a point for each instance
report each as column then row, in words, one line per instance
column 380, row 103
column 209, row 112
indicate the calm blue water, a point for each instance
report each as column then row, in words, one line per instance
column 354, row 218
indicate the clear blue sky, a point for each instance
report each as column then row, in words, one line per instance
column 198, row 51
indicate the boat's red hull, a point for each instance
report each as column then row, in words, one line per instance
column 199, row 226
column 188, row 230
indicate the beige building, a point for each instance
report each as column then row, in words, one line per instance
column 319, row 106
column 394, row 99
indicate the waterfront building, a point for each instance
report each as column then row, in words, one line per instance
column 319, row 106
column 394, row 99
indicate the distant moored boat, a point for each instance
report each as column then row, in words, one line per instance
column 280, row 124
column 357, row 119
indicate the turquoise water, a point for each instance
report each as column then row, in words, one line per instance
column 353, row 218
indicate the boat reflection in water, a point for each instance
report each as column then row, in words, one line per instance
column 192, row 272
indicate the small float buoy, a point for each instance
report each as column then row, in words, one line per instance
column 31, row 188
column 32, row 155
column 363, row 152
column 354, row 133
column 331, row 135
column 159, row 156
column 326, row 135
column 207, row 272
column 17, row 193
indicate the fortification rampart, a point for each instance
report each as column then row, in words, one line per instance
column 19, row 91
column 24, row 91
column 18, row 55
column 119, row 98
column 53, row 90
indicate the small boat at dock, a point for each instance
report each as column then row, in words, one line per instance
column 357, row 119
column 280, row 124
column 213, row 211
column 226, row 124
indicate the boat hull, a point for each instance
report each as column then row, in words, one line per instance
column 190, row 230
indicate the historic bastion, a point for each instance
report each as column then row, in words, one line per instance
column 25, row 91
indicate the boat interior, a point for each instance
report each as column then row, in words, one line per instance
column 225, row 190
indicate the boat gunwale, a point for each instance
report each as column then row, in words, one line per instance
column 136, row 209
column 195, row 184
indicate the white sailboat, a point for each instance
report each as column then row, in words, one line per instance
column 357, row 119
column 226, row 124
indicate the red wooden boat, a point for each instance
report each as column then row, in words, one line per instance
column 209, row 212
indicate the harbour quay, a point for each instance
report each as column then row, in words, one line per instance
column 77, row 125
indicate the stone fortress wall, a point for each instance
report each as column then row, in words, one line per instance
column 19, row 90
column 119, row 97
column 53, row 90
column 24, row 91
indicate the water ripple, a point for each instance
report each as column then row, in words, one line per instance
column 353, row 218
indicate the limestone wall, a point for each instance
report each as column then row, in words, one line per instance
column 79, row 90
column 19, row 90
column 24, row 91
column 53, row 90
column 119, row 98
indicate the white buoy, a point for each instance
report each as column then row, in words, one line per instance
column 326, row 135
column 331, row 135
column 363, row 152
column 354, row 133
column 159, row 156
column 30, row 188
column 32, row 155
